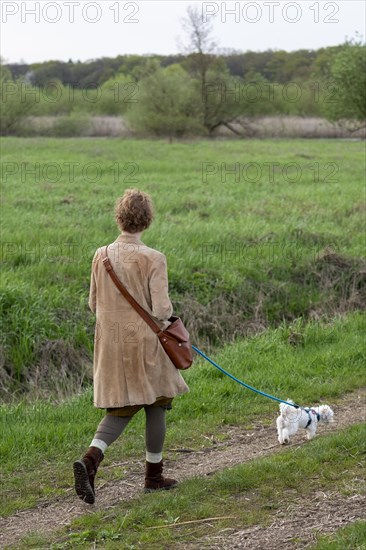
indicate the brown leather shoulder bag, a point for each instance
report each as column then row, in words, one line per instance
column 174, row 339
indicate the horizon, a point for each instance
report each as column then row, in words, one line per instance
column 218, row 54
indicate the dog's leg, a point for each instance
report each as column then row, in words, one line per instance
column 283, row 432
column 279, row 423
column 311, row 432
column 285, row 435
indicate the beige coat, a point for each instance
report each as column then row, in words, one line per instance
column 130, row 365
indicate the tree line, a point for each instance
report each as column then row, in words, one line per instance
column 192, row 93
column 274, row 66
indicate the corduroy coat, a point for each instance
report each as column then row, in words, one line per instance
column 130, row 365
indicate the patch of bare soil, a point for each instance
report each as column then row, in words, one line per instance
column 242, row 446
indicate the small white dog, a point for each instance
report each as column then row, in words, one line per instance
column 291, row 419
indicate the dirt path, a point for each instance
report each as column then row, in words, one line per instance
column 242, row 446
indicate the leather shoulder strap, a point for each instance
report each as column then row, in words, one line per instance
column 140, row 310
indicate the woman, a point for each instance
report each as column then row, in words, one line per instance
column 131, row 369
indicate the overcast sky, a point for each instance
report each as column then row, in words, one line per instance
column 83, row 30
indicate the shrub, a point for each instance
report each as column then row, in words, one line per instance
column 74, row 125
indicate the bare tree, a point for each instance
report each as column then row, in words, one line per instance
column 200, row 49
column 198, row 32
column 218, row 105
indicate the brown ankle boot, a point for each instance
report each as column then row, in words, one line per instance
column 154, row 481
column 84, row 473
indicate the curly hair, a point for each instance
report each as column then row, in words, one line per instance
column 134, row 211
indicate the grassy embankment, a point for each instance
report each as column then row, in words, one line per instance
column 329, row 363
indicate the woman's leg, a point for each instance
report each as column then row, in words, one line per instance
column 155, row 435
column 109, row 429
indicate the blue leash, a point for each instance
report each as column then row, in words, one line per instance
column 243, row 383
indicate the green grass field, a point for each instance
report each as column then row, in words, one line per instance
column 280, row 238
column 265, row 265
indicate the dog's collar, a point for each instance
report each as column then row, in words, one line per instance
column 310, row 419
